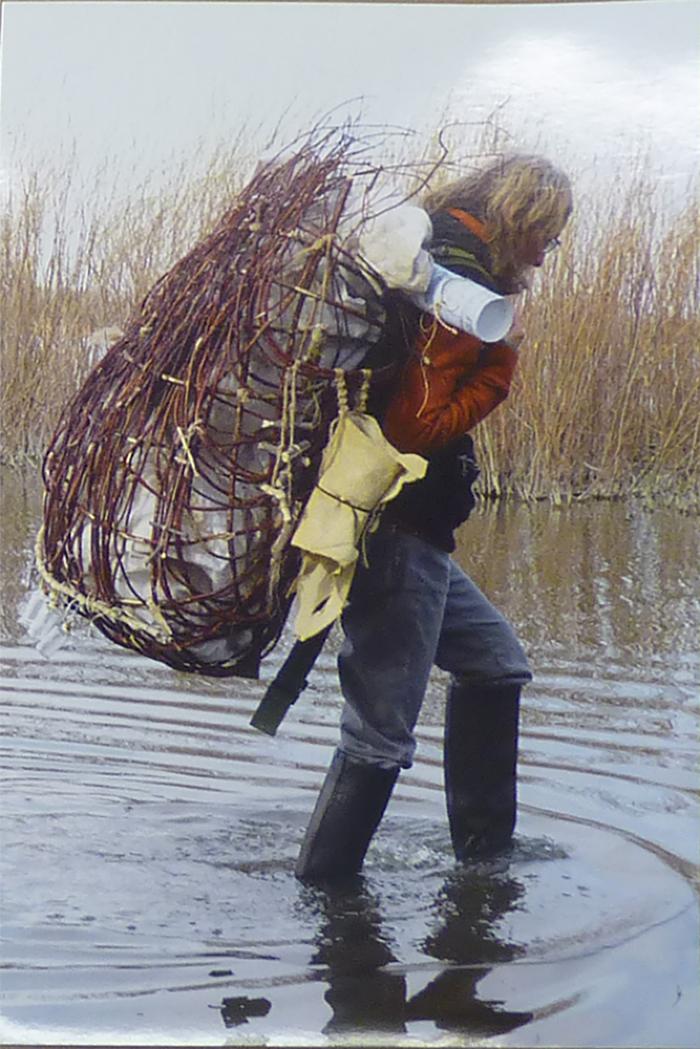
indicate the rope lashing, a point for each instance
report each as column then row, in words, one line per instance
column 178, row 473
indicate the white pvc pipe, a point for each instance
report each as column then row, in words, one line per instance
column 464, row 304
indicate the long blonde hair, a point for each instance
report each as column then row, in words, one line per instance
column 513, row 196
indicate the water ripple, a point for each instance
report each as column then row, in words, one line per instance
column 149, row 836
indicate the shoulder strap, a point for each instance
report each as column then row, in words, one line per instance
column 473, row 224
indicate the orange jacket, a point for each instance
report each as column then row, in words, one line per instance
column 450, row 382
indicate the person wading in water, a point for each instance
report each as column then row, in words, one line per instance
column 410, row 606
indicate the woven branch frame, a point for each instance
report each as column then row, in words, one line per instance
column 178, row 473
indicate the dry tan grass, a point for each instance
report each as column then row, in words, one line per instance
column 607, row 397
column 67, row 270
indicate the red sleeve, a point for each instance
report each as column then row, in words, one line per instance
column 448, row 386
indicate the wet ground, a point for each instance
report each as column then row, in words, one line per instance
column 149, row 833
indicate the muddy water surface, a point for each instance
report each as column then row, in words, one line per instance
column 149, row 833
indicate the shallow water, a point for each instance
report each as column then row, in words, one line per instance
column 149, row 833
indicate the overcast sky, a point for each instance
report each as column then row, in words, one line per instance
column 587, row 82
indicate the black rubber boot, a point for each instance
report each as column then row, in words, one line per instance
column 481, row 747
column 348, row 810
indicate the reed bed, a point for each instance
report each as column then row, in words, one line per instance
column 606, row 402
column 76, row 260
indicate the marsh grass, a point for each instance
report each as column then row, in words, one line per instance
column 606, row 401
column 75, row 260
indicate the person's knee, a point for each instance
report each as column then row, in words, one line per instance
column 516, row 666
column 363, row 740
column 371, row 756
column 499, row 660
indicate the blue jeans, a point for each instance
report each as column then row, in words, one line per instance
column 411, row 608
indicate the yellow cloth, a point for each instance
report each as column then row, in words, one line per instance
column 360, row 473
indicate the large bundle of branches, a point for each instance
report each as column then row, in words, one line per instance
column 178, row 473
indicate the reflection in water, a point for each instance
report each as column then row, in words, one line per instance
column 605, row 577
column 365, row 996
column 236, row 1011
column 601, row 577
column 20, row 505
column 350, row 944
column 469, row 907
column 471, row 903
column 149, row 833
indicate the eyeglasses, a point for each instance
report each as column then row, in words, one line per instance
column 552, row 245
